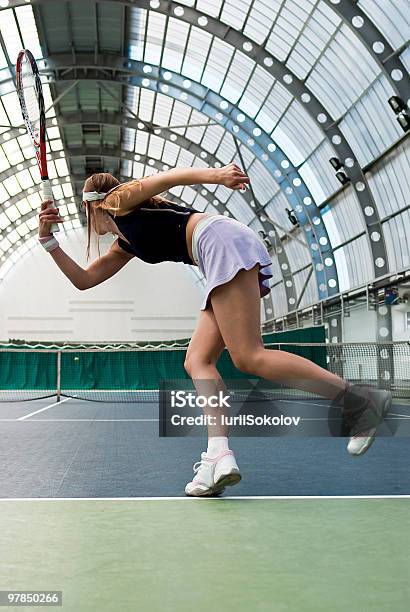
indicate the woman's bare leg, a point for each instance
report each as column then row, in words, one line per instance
column 236, row 307
column 204, row 350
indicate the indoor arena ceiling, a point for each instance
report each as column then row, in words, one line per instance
column 280, row 86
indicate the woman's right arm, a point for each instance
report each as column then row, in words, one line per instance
column 100, row 270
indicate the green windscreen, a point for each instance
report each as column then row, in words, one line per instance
column 129, row 374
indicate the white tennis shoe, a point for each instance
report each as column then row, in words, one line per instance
column 372, row 405
column 213, row 474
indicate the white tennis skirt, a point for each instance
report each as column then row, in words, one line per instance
column 221, row 246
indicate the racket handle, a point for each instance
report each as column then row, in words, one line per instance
column 48, row 195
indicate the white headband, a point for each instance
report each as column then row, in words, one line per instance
column 92, row 196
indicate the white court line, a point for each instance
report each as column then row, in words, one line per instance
column 393, row 417
column 22, row 419
column 220, row 499
column 306, row 403
column 26, row 416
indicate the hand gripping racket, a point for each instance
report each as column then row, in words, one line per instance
column 30, row 94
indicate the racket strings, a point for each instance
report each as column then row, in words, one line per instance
column 30, row 94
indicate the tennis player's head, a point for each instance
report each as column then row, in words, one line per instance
column 96, row 203
column 102, row 192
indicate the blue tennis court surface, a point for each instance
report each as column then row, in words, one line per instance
column 96, row 450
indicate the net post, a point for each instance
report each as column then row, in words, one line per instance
column 58, row 376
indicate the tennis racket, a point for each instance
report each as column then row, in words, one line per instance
column 30, row 94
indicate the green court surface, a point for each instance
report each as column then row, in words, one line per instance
column 210, row 555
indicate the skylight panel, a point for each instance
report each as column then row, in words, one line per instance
column 72, row 208
column 67, row 190
column 210, row 7
column 13, row 152
column 275, row 104
column 279, row 44
column 3, row 194
column 174, row 44
column 137, row 170
column 240, row 209
column 32, row 223
column 25, row 180
column 136, row 26
column 162, row 110
column 35, row 175
column 170, row 153
column 226, row 149
column 405, row 58
column 297, row 133
column 391, row 17
column 34, row 199
column 26, row 146
column 4, row 221
column 4, row 120
column 53, row 132
column 23, row 230
column 346, row 68
column 263, row 184
column 312, row 181
column 185, row 158
column 195, row 133
column 28, row 30
column 155, row 147
column 181, row 114
column 141, row 142
column 5, row 244
column 10, row 34
column 234, row 13
column 12, row 213
column 316, row 34
column 212, row 138
column 154, row 38
column 61, row 166
column 256, row 92
column 217, row 64
column 261, row 17
column 3, row 61
column 48, row 101
column 11, row 185
column 196, row 53
column 12, row 108
column 56, row 145
column 4, row 163
column 297, row 254
column 237, row 77
column 146, row 104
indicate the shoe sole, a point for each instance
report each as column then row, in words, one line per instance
column 385, row 411
column 229, row 480
column 209, row 493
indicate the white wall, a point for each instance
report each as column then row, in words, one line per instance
column 360, row 326
column 141, row 302
column 399, row 311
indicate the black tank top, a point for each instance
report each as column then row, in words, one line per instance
column 156, row 233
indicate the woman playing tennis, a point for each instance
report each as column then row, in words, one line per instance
column 236, row 266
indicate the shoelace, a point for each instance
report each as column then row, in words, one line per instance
column 197, row 466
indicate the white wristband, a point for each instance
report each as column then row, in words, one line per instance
column 49, row 243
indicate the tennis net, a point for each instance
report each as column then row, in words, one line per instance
column 134, row 374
